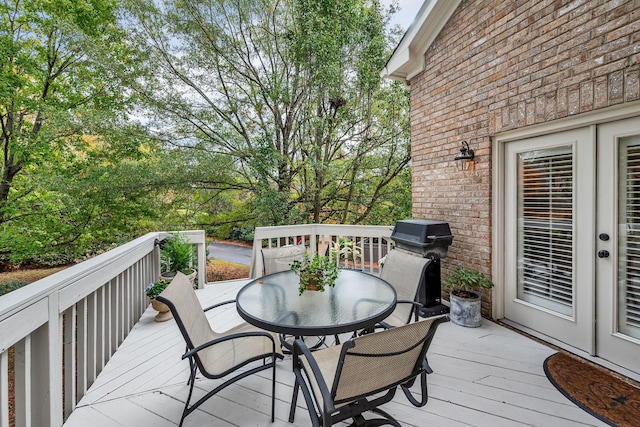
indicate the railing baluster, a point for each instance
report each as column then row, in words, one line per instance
column 114, row 321
column 4, row 389
column 91, row 338
column 107, row 322
column 82, row 347
column 22, row 382
column 99, row 330
column 69, row 360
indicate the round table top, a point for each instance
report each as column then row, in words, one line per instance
column 358, row 300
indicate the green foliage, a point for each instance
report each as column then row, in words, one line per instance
column 304, row 131
column 466, row 281
column 72, row 167
column 322, row 271
column 177, row 254
column 345, row 249
column 156, row 288
column 6, row 287
column 120, row 118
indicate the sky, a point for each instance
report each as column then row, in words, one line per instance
column 408, row 11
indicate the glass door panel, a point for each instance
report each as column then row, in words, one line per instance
column 629, row 237
column 545, row 228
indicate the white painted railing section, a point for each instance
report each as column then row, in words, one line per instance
column 369, row 242
column 63, row 329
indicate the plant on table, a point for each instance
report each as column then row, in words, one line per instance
column 316, row 273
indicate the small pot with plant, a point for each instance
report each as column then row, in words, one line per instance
column 316, row 273
column 464, row 297
column 177, row 254
column 152, row 291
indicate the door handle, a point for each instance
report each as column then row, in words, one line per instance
column 603, row 254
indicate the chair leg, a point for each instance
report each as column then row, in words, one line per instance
column 423, row 391
column 360, row 421
column 273, row 390
column 191, row 382
column 294, row 401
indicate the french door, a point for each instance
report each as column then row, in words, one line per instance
column 549, row 212
column 572, row 238
column 618, row 225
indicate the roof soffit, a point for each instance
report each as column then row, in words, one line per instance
column 407, row 59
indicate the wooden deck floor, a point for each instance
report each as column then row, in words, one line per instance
column 489, row 376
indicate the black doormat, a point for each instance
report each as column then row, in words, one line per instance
column 601, row 393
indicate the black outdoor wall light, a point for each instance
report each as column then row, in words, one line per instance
column 465, row 159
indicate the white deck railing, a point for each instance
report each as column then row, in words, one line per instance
column 64, row 328
column 372, row 242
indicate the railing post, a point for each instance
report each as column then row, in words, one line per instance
column 46, row 375
column 256, row 267
column 202, row 260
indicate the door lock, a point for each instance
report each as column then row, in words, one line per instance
column 603, row 254
column 604, row 237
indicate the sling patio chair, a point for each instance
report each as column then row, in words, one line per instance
column 405, row 272
column 217, row 355
column 343, row 382
column 280, row 259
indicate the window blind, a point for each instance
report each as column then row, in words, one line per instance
column 629, row 259
column 545, row 238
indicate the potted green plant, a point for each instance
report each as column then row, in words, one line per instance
column 347, row 250
column 177, row 254
column 465, row 300
column 152, row 291
column 316, row 273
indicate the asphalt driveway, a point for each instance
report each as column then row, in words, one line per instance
column 230, row 252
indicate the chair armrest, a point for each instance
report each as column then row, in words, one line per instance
column 195, row 350
column 416, row 307
column 404, row 301
column 299, row 347
column 219, row 304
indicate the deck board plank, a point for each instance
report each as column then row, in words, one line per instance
column 487, row 376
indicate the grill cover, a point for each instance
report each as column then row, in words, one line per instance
column 431, row 239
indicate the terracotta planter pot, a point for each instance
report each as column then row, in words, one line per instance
column 465, row 311
column 164, row 313
column 312, row 283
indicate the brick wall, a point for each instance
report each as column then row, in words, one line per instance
column 499, row 65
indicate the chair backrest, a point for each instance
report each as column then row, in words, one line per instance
column 405, row 272
column 280, row 259
column 376, row 362
column 187, row 311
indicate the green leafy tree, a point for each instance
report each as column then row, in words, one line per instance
column 73, row 173
column 288, row 92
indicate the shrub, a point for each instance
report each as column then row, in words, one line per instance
column 6, row 287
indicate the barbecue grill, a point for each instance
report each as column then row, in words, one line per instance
column 428, row 239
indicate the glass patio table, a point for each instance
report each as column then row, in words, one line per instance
column 358, row 301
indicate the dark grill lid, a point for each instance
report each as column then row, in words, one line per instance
column 426, row 237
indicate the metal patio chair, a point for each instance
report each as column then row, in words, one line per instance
column 343, row 382
column 405, row 272
column 280, row 259
column 217, row 355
